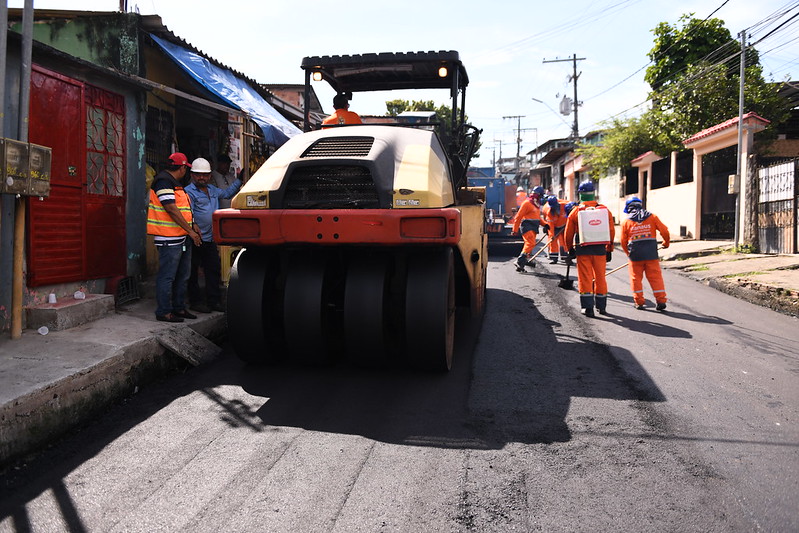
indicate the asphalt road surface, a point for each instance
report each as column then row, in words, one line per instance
column 639, row 421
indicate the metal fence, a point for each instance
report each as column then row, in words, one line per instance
column 777, row 202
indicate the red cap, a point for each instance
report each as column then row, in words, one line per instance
column 179, row 159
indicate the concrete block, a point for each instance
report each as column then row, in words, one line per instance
column 68, row 312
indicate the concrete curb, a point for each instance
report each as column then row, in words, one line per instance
column 774, row 298
column 34, row 419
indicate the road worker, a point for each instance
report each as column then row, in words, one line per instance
column 342, row 114
column 528, row 219
column 639, row 242
column 521, row 196
column 589, row 239
column 553, row 220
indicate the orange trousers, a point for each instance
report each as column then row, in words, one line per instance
column 650, row 269
column 557, row 243
column 591, row 281
column 529, row 241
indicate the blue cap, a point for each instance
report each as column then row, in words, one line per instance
column 633, row 203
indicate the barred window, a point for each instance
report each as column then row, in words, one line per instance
column 105, row 142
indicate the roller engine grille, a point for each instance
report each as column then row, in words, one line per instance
column 340, row 147
column 331, row 187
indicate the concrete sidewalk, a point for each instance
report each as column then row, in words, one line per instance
column 764, row 279
column 52, row 383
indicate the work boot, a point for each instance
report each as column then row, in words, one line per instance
column 589, row 312
column 602, row 310
column 553, row 259
column 521, row 262
column 661, row 306
column 639, row 306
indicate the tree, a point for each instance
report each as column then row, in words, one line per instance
column 695, row 85
column 677, row 48
column 623, row 141
column 443, row 112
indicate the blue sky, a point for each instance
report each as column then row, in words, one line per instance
column 502, row 43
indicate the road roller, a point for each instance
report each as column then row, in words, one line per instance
column 361, row 242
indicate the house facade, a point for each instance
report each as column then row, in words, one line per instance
column 113, row 94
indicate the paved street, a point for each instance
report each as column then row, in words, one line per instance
column 644, row 421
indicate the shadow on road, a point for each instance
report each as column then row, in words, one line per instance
column 514, row 384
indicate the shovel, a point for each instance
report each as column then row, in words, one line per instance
column 567, row 283
column 617, row 268
column 531, row 261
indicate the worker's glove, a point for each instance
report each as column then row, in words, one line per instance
column 571, row 257
column 665, row 245
column 546, row 228
column 608, row 256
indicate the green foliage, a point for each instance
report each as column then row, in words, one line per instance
column 677, row 48
column 695, row 80
column 744, row 249
column 443, row 112
column 623, row 141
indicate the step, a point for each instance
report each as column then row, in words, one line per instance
column 69, row 312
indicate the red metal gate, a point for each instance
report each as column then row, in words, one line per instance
column 78, row 232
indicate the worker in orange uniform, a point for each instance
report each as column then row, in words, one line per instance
column 528, row 219
column 521, row 196
column 553, row 220
column 591, row 223
column 639, row 242
column 342, row 113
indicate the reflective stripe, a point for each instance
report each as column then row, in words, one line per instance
column 159, row 221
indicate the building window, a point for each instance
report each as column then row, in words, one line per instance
column 105, row 142
column 630, row 181
column 661, row 173
column 685, row 166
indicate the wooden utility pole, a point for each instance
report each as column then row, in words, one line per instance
column 518, row 138
column 574, row 59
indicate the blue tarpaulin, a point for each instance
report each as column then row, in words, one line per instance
column 235, row 91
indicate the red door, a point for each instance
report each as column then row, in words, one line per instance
column 78, row 232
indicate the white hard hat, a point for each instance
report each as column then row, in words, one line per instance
column 519, row 189
column 201, row 166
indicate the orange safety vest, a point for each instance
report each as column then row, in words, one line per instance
column 342, row 116
column 159, row 222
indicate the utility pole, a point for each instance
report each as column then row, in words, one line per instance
column 574, row 59
column 737, row 184
column 518, row 137
column 497, row 162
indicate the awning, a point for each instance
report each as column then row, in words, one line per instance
column 237, row 92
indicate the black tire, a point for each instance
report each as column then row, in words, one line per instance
column 304, row 312
column 430, row 310
column 365, row 310
column 248, row 306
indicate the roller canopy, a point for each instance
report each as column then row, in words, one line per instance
column 389, row 71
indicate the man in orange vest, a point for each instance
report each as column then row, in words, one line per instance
column 342, row 114
column 639, row 242
column 592, row 224
column 553, row 220
column 169, row 220
column 528, row 218
column 521, row 196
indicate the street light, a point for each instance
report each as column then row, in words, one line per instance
column 550, row 108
